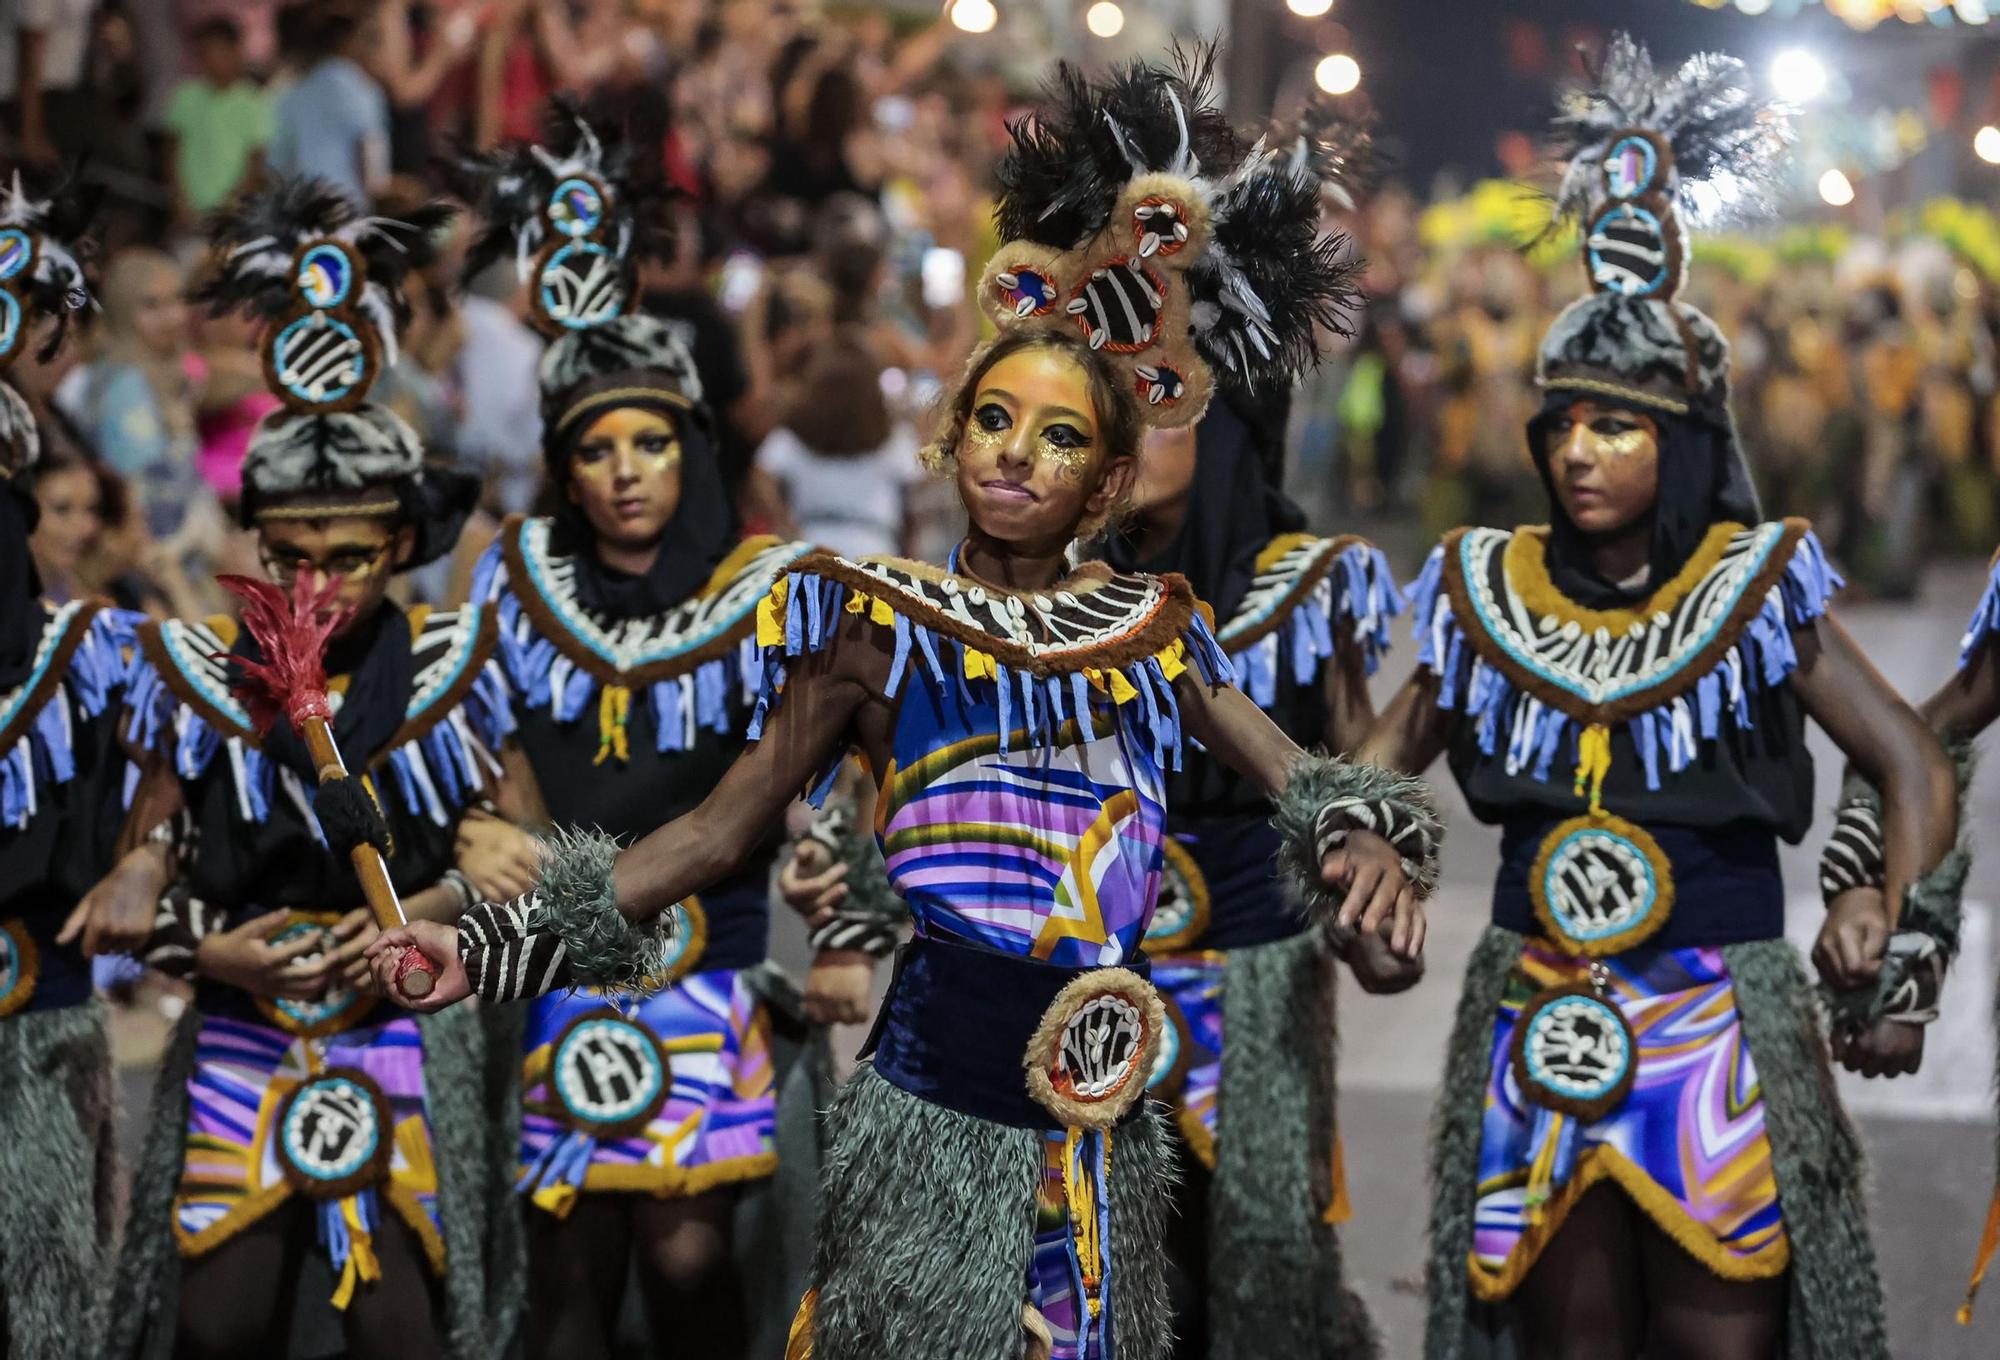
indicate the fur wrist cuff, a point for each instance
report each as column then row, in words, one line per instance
column 568, row 932
column 1327, row 798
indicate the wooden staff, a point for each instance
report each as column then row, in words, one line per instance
column 290, row 681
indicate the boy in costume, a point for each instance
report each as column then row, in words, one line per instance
column 295, row 1104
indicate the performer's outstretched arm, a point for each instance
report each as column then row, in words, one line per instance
column 1969, row 701
column 1412, row 731
column 1376, row 835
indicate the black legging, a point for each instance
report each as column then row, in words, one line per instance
column 236, row 1301
column 1611, row 1286
column 687, row 1276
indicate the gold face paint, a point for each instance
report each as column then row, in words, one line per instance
column 1060, row 441
column 1625, row 443
column 625, row 475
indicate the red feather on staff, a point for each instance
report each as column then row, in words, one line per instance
column 290, row 682
column 292, row 632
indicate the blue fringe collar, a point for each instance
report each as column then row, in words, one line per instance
column 80, row 661
column 1306, row 590
column 1985, row 618
column 1100, row 641
column 696, row 662
column 1532, row 682
column 179, row 704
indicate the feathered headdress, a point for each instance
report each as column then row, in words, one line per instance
column 1333, row 147
column 576, row 213
column 327, row 280
column 1647, row 154
column 44, row 235
column 1134, row 213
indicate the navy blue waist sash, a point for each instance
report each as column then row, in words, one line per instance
column 1237, row 857
column 738, row 916
column 955, row 1027
column 58, row 975
column 1727, row 885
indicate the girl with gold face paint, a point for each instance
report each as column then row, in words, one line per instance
column 1624, row 692
column 1020, row 713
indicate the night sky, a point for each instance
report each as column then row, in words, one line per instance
column 1449, row 75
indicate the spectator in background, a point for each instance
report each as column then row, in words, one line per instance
column 839, row 470
column 234, row 397
column 44, row 51
column 333, row 122
column 498, row 373
column 218, row 124
column 67, row 495
column 136, row 404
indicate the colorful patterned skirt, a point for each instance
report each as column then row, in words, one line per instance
column 670, row 1094
column 1687, row 1142
column 1189, row 1073
column 339, row 1120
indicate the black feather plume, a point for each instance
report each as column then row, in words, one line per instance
column 509, row 188
column 1729, row 144
column 1334, row 147
column 1069, row 161
column 255, row 240
column 59, row 213
column 1270, row 281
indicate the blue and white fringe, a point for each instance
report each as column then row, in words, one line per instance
column 46, row 752
column 1358, row 593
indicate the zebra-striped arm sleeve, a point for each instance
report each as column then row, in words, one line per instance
column 870, row 918
column 1910, row 989
column 510, row 950
column 1328, row 799
column 567, row 932
column 180, row 923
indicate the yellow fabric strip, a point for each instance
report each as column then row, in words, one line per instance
column 1593, row 762
column 361, row 1263
column 1339, row 1210
column 771, row 614
column 614, row 710
column 799, row 1342
column 1989, row 1241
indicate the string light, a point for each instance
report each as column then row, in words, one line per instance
column 974, row 16
column 1338, row 73
column 1797, row 76
column 1309, row 9
column 1104, row 19
column 1986, row 144
column 1836, row 189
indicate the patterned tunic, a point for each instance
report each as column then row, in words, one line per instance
column 671, row 1093
column 1617, row 1052
column 1022, row 813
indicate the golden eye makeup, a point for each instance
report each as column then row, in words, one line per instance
column 1060, row 442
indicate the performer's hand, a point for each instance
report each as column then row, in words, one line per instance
column 116, row 915
column 246, row 959
column 345, row 963
column 501, row 859
column 837, row 987
column 1379, row 895
column 1890, row 1049
column 439, row 942
column 1853, row 939
column 811, row 884
column 1379, row 970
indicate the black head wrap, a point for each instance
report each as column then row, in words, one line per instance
column 1703, row 482
column 1234, row 507
column 20, row 584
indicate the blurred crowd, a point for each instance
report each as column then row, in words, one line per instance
column 836, row 176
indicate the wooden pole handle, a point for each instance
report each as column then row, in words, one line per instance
column 416, row 974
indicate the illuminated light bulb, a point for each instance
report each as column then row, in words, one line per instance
column 1309, row 9
column 1986, row 144
column 1104, row 19
column 974, row 16
column 1754, row 6
column 1338, row 74
column 1798, row 76
column 1836, row 189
